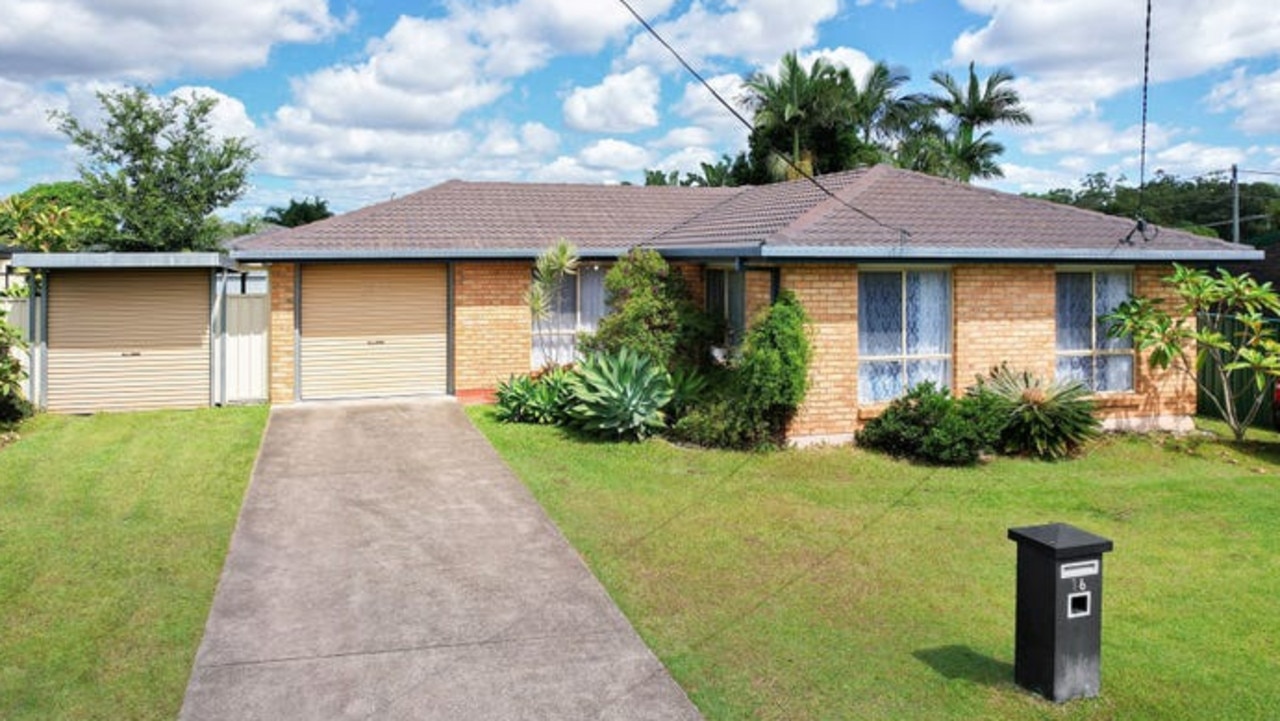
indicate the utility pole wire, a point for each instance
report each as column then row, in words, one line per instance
column 903, row 233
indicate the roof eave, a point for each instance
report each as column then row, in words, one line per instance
column 123, row 261
column 318, row 255
column 1119, row 254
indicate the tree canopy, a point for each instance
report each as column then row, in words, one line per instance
column 1201, row 205
column 55, row 217
column 157, row 167
column 821, row 119
column 299, row 212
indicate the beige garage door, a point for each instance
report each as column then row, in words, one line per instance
column 374, row 330
column 128, row 340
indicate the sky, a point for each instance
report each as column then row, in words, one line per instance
column 358, row 101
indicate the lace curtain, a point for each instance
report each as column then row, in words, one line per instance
column 577, row 307
column 1085, row 352
column 904, row 332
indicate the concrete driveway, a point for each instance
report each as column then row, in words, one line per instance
column 387, row 565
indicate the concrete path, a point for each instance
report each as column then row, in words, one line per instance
column 388, row 565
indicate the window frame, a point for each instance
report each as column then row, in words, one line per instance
column 904, row 358
column 1095, row 328
column 535, row 353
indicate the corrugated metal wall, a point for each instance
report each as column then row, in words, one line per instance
column 128, row 341
column 373, row 330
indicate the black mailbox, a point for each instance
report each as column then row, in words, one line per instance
column 1058, row 636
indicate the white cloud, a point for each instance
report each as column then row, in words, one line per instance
column 229, row 118
column 25, row 108
column 524, row 35
column 150, row 40
column 1075, row 54
column 687, row 160
column 1256, row 99
column 1093, row 137
column 505, row 140
column 685, row 137
column 565, row 169
column 855, row 60
column 614, row 154
column 1195, row 159
column 758, row 31
column 622, row 103
column 1027, row 179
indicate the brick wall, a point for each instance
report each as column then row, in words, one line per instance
column 759, row 288
column 280, row 341
column 1002, row 313
column 1162, row 400
column 829, row 295
column 493, row 335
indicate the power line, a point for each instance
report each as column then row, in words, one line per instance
column 1260, row 172
column 902, row 232
column 1146, row 82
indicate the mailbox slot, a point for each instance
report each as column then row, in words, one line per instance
column 1079, row 569
column 1078, row 604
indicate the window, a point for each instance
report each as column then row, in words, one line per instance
column 576, row 308
column 904, row 332
column 1084, row 352
column 727, row 299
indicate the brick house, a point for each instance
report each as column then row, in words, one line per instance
column 906, row 277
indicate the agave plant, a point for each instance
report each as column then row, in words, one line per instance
column 1048, row 420
column 514, row 399
column 620, row 395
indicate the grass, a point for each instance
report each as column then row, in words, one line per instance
column 113, row 530
column 835, row 583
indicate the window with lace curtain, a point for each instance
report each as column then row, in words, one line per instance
column 904, row 332
column 1084, row 351
column 577, row 307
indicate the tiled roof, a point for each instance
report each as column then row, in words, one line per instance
column 885, row 207
column 873, row 212
column 462, row 216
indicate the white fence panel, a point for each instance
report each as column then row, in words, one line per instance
column 246, row 350
column 17, row 316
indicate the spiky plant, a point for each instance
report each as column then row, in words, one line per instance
column 620, row 395
column 1047, row 420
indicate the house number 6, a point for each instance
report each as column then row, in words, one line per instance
column 1080, row 584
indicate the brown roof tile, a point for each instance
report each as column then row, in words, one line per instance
column 877, row 212
column 462, row 216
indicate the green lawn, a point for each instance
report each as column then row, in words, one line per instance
column 113, row 529
column 835, row 583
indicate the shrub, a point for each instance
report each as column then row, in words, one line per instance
column 14, row 408
column 1047, row 420
column 719, row 423
column 620, row 395
column 652, row 313
column 763, row 388
column 773, row 372
column 900, row 430
column 542, row 399
column 688, row 387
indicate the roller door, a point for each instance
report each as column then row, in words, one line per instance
column 372, row 331
column 129, row 340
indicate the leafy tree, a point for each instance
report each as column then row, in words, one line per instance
column 1220, row 321
column 805, row 114
column 882, row 116
column 1201, row 204
column 158, row 169
column 963, row 149
column 299, row 212
column 651, row 312
column 55, row 217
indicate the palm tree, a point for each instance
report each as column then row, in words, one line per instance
column 979, row 105
column 799, row 104
column 882, row 117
